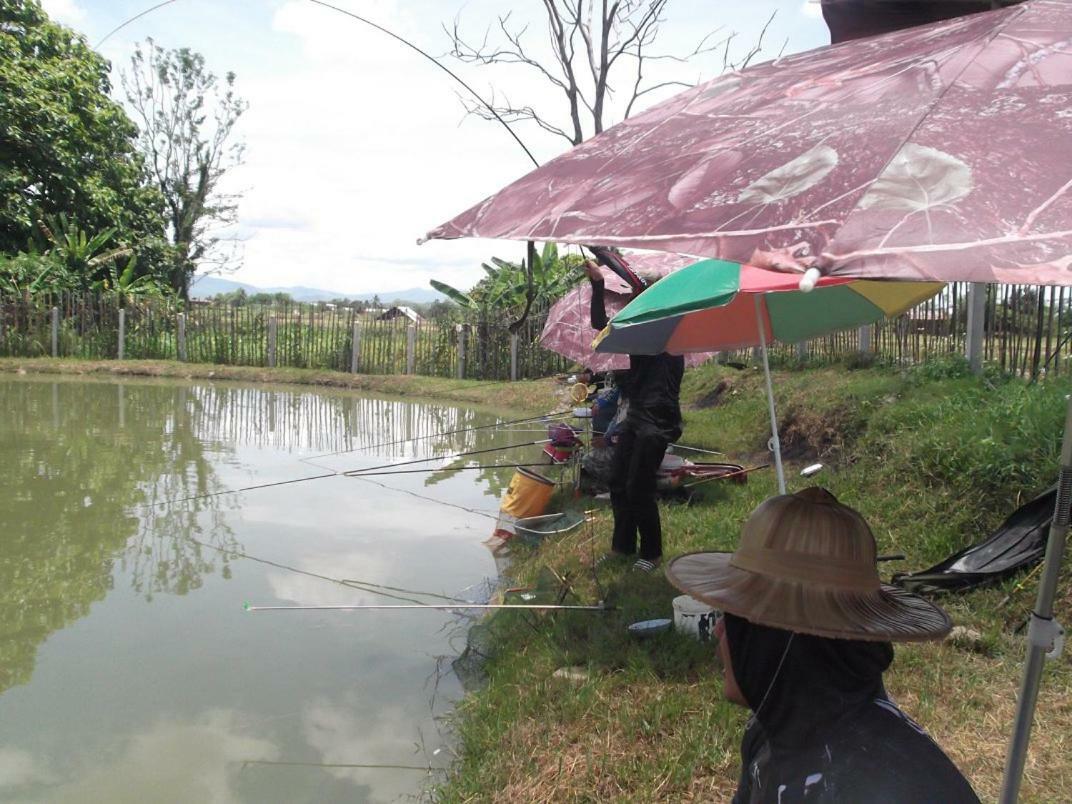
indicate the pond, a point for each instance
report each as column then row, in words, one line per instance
column 129, row 669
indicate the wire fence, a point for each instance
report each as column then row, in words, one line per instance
column 103, row 326
column 1026, row 332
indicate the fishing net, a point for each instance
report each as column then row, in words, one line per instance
column 485, row 638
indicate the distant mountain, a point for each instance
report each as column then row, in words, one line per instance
column 205, row 287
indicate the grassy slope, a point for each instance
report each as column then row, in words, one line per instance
column 525, row 397
column 932, row 458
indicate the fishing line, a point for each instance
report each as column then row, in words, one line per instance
column 245, row 762
column 440, row 434
column 361, row 586
column 392, row 34
column 437, row 607
column 425, row 497
column 451, row 469
column 373, row 469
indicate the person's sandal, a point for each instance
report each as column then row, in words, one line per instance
column 645, row 566
column 607, row 557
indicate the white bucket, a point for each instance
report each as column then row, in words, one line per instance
column 692, row 616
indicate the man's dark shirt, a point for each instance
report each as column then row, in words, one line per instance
column 654, row 382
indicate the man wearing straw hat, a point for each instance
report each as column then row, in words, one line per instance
column 804, row 640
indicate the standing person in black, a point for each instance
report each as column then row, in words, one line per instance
column 652, row 422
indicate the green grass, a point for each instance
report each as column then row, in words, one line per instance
column 932, row 457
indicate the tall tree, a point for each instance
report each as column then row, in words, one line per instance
column 187, row 117
column 65, row 146
column 591, row 48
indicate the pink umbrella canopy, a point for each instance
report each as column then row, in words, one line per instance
column 568, row 330
column 941, row 152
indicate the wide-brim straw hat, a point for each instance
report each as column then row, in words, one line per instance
column 807, row 563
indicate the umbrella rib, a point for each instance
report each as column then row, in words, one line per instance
column 983, row 42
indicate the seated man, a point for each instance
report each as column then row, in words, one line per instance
column 804, row 642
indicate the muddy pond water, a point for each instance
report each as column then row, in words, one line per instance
column 129, row 669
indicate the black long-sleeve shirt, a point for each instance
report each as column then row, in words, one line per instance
column 654, row 384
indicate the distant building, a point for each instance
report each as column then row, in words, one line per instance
column 400, row 311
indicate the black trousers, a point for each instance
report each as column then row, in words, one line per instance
column 637, row 457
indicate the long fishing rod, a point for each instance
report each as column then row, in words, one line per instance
column 373, row 469
column 491, row 109
column 441, row 434
column 359, row 475
column 440, row 607
column 728, row 475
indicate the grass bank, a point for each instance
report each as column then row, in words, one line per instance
column 575, row 710
column 525, row 397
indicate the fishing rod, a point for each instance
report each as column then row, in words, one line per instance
column 373, row 469
column 491, row 109
column 436, row 606
column 442, row 433
column 359, row 475
column 726, row 476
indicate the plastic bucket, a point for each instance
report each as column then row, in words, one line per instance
column 692, row 616
column 527, row 495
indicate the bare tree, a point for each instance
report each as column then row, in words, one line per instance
column 589, row 43
column 187, row 118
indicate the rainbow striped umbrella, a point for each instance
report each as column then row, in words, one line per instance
column 715, row 305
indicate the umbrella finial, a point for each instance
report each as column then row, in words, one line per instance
column 807, row 282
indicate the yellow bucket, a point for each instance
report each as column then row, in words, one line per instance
column 527, row 495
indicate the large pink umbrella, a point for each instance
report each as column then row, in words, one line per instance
column 568, row 329
column 941, row 152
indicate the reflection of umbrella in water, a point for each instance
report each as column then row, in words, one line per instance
column 715, row 305
column 568, row 329
column 940, row 152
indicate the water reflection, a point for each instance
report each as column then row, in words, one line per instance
column 128, row 670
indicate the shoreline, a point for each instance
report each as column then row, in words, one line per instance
column 523, row 396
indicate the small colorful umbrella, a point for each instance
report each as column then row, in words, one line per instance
column 568, row 329
column 715, row 305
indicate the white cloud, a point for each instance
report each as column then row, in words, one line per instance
column 66, row 11
column 18, row 768
column 342, row 737
column 356, row 145
column 812, row 8
column 198, row 760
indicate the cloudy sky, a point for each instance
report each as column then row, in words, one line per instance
column 355, row 145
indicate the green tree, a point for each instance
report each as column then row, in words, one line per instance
column 187, row 118
column 506, row 288
column 65, row 145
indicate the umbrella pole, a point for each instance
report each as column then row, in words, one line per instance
column 1044, row 634
column 770, row 400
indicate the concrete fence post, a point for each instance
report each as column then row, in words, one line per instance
column 273, row 339
column 865, row 339
column 460, row 329
column 973, row 347
column 802, row 351
column 355, row 348
column 513, row 357
column 55, row 331
column 122, row 332
column 411, row 349
column 180, row 337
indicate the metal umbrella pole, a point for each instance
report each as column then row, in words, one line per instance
column 1045, row 636
column 770, row 399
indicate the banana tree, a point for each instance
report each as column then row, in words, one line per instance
column 513, row 288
